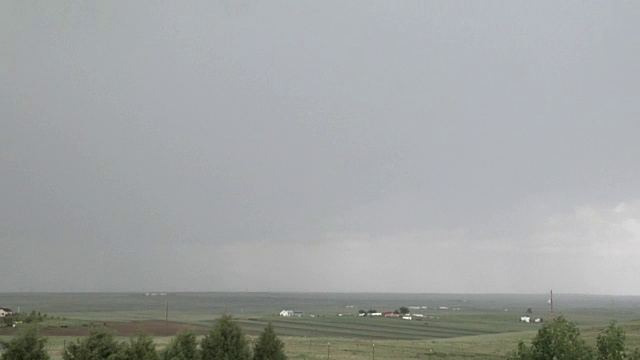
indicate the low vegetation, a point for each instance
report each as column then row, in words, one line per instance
column 28, row 318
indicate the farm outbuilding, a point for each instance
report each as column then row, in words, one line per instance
column 290, row 313
column 5, row 312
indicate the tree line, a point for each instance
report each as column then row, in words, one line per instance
column 225, row 341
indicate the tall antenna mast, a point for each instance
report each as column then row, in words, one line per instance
column 553, row 316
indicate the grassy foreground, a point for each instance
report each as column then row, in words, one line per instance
column 481, row 327
column 472, row 347
column 491, row 346
column 494, row 346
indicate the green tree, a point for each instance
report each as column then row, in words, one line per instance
column 182, row 347
column 141, row 347
column 27, row 345
column 610, row 343
column 100, row 345
column 559, row 340
column 403, row 310
column 225, row 341
column 269, row 347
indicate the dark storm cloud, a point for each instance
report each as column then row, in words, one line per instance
column 164, row 141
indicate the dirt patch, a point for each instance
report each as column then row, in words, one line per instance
column 129, row 328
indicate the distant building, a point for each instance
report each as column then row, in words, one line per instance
column 298, row 313
column 286, row 313
column 5, row 312
column 525, row 319
column 538, row 320
column 407, row 317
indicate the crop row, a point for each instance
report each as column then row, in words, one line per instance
column 360, row 330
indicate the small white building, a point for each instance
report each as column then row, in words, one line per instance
column 286, row 313
column 375, row 314
column 525, row 319
column 5, row 312
column 407, row 317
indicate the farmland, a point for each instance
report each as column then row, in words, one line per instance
column 480, row 327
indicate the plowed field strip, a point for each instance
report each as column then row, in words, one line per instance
column 349, row 329
column 394, row 327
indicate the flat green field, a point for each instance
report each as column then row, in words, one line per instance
column 471, row 326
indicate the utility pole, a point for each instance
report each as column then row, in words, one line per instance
column 166, row 320
column 373, row 352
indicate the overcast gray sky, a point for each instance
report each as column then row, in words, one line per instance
column 383, row 146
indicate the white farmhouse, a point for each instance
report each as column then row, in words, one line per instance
column 5, row 312
column 525, row 319
column 286, row 313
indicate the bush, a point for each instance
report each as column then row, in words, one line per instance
column 610, row 343
column 182, row 347
column 98, row 346
column 225, row 341
column 27, row 345
column 559, row 340
column 141, row 348
column 269, row 347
